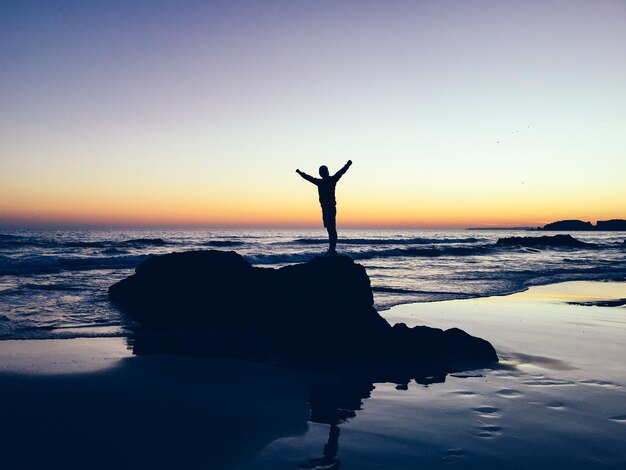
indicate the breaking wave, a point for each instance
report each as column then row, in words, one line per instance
column 133, row 242
column 50, row 264
column 222, row 243
column 283, row 258
column 17, row 241
column 388, row 241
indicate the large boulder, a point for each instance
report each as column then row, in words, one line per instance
column 317, row 311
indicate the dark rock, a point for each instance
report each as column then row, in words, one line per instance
column 569, row 225
column 613, row 225
column 320, row 311
column 547, row 241
column 601, row 303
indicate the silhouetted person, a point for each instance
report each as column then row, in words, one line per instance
column 326, row 189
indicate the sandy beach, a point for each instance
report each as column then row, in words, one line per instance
column 557, row 400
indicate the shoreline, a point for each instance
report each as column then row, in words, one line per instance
column 54, row 284
column 610, row 302
column 507, row 293
column 380, row 309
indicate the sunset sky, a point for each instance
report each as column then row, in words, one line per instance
column 455, row 113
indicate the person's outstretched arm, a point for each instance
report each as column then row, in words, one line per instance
column 340, row 173
column 309, row 178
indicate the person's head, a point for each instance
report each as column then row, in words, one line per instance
column 324, row 171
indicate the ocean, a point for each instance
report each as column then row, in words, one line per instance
column 53, row 284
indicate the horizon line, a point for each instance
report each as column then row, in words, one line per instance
column 90, row 225
column 178, row 226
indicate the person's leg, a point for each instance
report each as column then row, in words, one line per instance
column 332, row 238
column 329, row 215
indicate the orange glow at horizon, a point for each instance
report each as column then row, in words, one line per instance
column 300, row 210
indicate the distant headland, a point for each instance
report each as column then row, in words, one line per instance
column 613, row 225
column 500, row 228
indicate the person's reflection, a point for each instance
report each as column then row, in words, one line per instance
column 334, row 404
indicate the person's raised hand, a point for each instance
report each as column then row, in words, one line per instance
column 349, row 162
column 298, row 171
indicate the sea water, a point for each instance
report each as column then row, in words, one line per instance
column 53, row 284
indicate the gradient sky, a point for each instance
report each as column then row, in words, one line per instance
column 455, row 113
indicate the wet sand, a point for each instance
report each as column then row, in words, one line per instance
column 87, row 403
column 557, row 400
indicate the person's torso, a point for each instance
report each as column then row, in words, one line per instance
column 326, row 191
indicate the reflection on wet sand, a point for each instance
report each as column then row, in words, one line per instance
column 334, row 396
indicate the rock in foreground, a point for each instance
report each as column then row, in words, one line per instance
column 319, row 311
